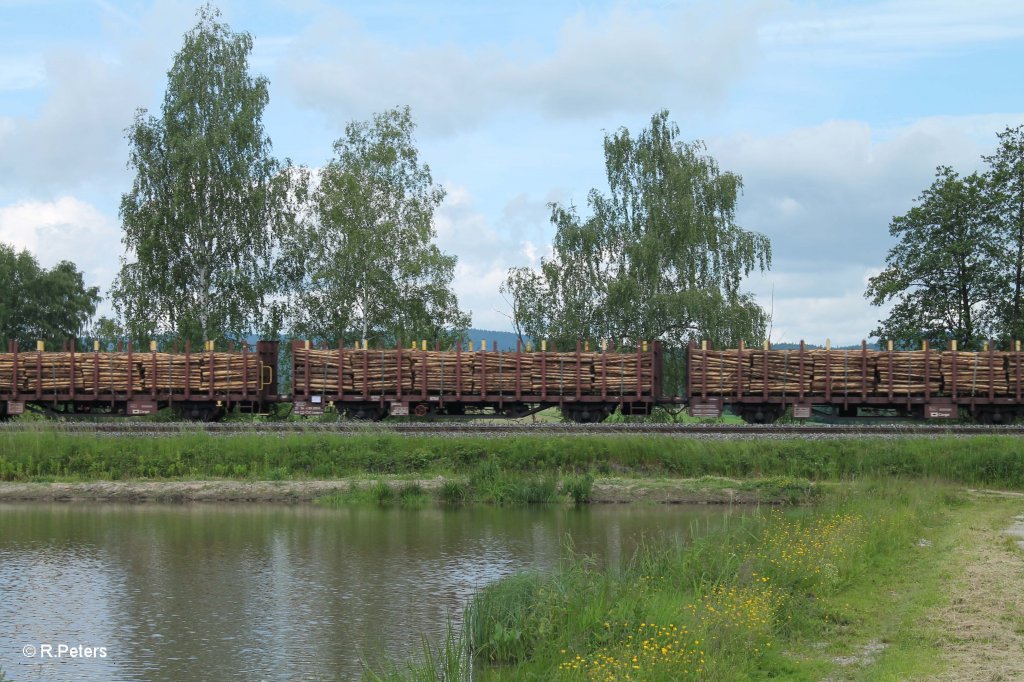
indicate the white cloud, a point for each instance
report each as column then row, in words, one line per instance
column 486, row 251
column 616, row 61
column 77, row 136
column 65, row 229
column 877, row 33
column 825, row 195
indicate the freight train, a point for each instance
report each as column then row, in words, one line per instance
column 759, row 385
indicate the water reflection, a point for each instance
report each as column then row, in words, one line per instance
column 265, row 592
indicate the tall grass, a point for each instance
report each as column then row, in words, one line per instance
column 720, row 608
column 448, row 661
column 52, row 454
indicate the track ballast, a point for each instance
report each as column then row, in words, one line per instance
column 491, row 429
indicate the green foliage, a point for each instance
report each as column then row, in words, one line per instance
column 366, row 266
column 499, row 621
column 944, row 272
column 412, row 495
column 723, row 605
column 578, row 488
column 516, row 469
column 454, row 493
column 1005, row 181
column 660, row 257
column 35, row 303
column 958, row 269
column 207, row 199
column 494, row 484
column 446, row 661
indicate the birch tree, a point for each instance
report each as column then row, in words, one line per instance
column 660, row 256
column 201, row 218
column 367, row 264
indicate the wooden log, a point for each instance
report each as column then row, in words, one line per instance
column 842, row 371
column 973, row 377
column 560, row 376
column 166, row 372
column 440, row 371
column 907, row 374
column 783, row 376
column 719, row 371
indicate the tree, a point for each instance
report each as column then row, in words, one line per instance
column 365, row 265
column 944, row 273
column 1006, row 194
column 208, row 200
column 660, row 257
column 51, row 305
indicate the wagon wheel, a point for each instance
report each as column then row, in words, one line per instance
column 421, row 410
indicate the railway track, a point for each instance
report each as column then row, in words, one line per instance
column 491, row 429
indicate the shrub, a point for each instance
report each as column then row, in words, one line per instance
column 578, row 487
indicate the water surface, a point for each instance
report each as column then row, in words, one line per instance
column 260, row 592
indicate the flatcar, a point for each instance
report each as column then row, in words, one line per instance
column 762, row 384
column 201, row 385
column 587, row 385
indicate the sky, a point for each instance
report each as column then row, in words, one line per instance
column 836, row 115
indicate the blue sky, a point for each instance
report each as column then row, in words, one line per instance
column 835, row 113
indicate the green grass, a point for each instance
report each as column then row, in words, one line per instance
column 49, row 454
column 775, row 595
column 379, row 493
column 578, row 488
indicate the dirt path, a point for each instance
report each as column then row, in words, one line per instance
column 983, row 624
column 659, row 492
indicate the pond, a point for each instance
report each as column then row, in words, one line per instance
column 265, row 592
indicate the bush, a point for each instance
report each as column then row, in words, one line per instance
column 454, row 493
column 578, row 487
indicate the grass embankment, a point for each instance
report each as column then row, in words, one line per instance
column 847, row 589
column 49, row 455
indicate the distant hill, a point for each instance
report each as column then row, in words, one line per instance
column 811, row 346
column 505, row 340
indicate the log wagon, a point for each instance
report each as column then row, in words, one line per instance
column 761, row 384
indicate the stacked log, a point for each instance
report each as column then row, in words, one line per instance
column 441, row 371
column 54, row 373
column 1014, row 371
column 377, row 371
column 7, row 373
column 496, row 372
column 166, row 372
column 109, row 372
column 908, row 373
column 322, row 368
column 228, row 373
column 619, row 374
column 973, row 374
column 718, row 371
column 779, row 372
column 843, row 371
column 555, row 374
